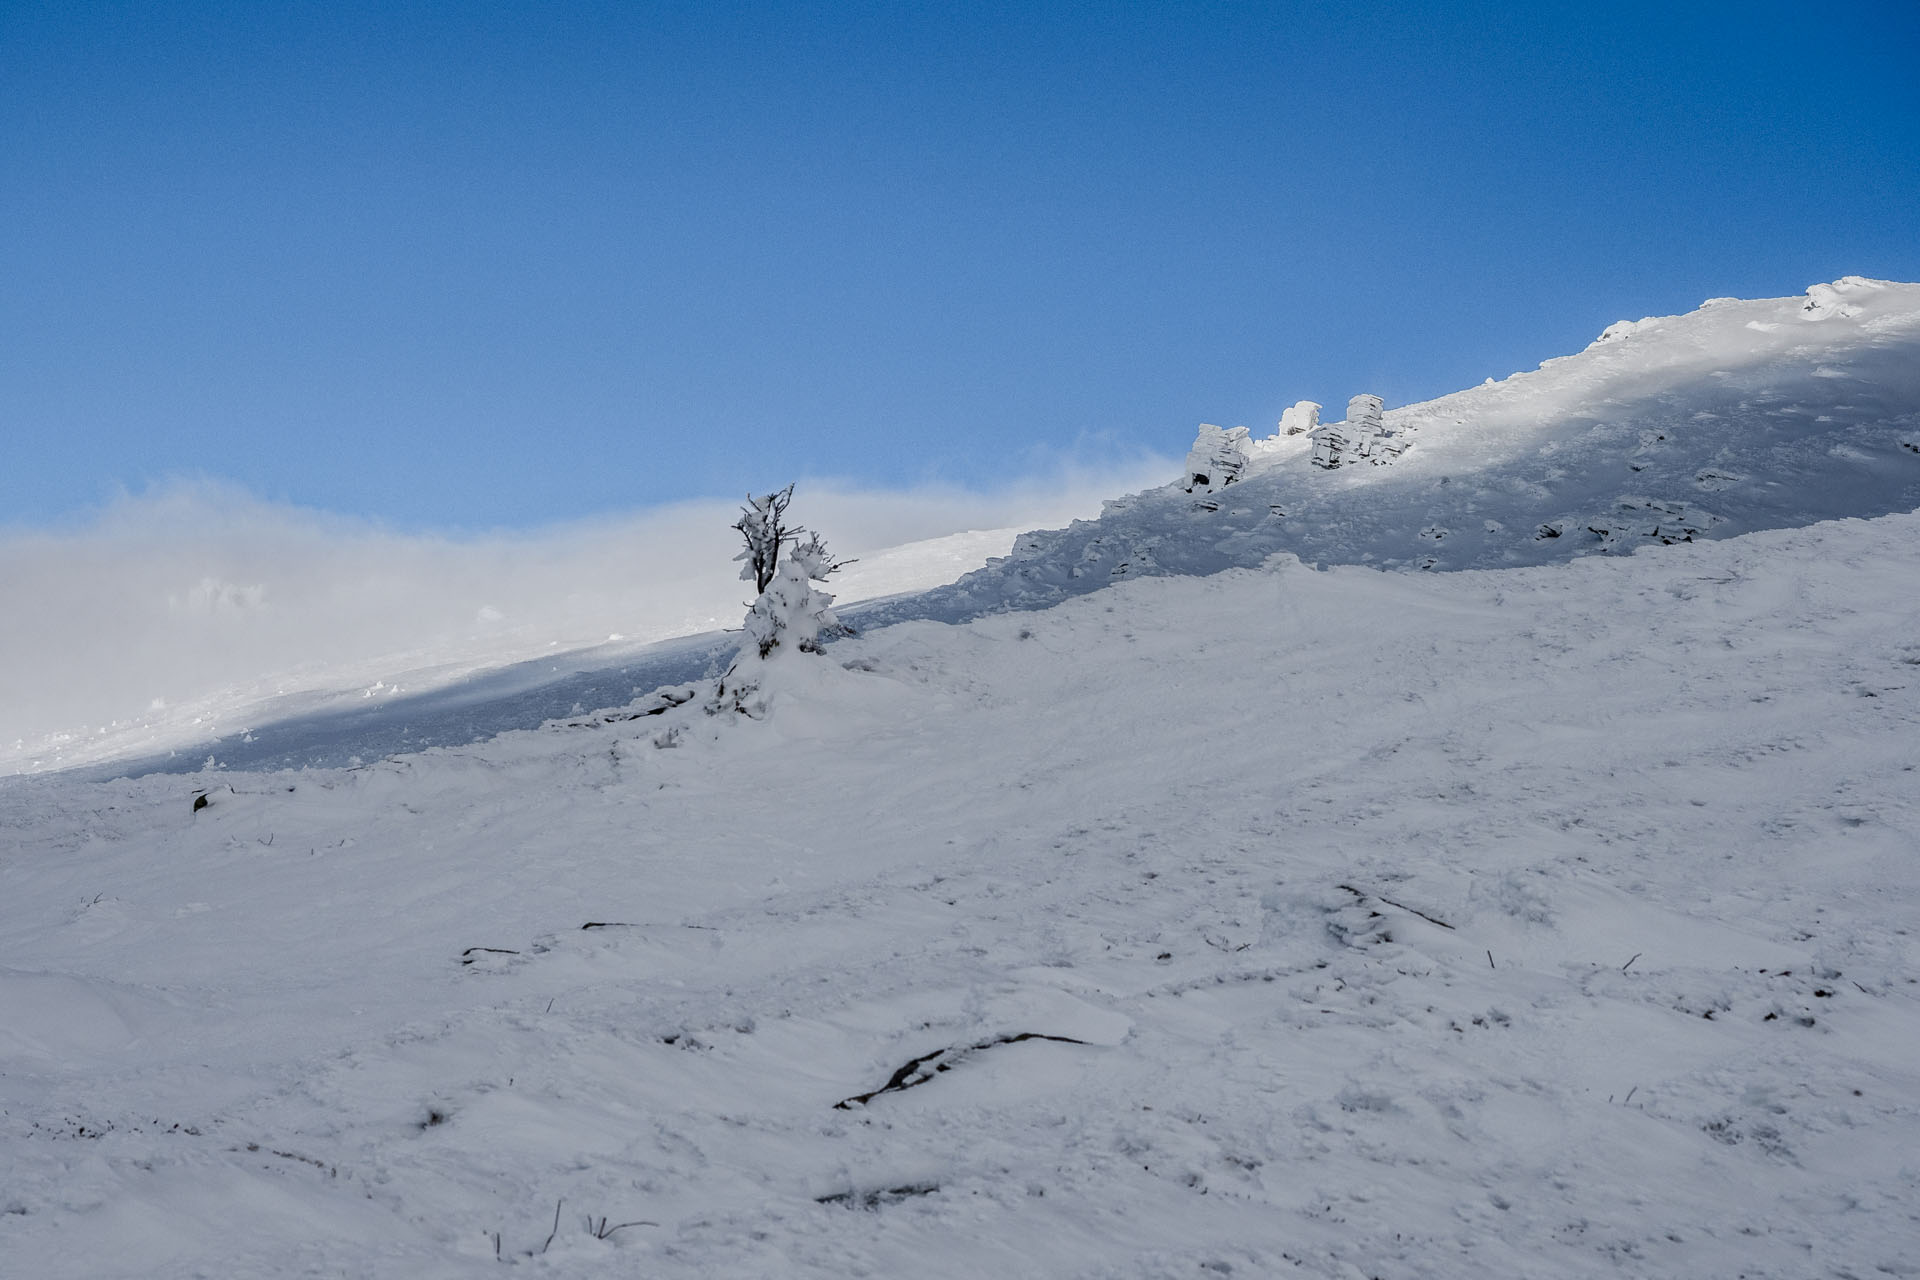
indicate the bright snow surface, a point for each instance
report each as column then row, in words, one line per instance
column 1552, row 920
column 1736, row 417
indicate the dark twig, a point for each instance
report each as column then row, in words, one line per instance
column 915, row 1072
column 1629, row 964
column 601, row 1231
column 1403, row 906
column 1415, row 910
column 1490, row 963
column 466, row 957
column 556, row 1225
column 874, row 1199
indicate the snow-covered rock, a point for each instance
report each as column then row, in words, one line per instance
column 1742, row 415
column 1303, row 416
column 1362, row 437
column 1840, row 300
column 1217, row 458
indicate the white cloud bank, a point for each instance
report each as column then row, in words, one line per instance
column 197, row 601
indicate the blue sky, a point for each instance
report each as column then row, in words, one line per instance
column 477, row 265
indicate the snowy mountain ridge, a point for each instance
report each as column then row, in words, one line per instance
column 1741, row 415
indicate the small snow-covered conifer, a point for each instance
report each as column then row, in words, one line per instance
column 791, row 615
column 792, row 611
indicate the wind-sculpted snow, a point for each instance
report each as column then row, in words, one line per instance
column 1736, row 417
column 337, row 732
column 1548, row 922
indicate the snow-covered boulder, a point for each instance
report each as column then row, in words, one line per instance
column 1363, row 437
column 1837, row 300
column 1363, row 414
column 1217, row 458
column 1614, row 332
column 1303, row 417
column 1329, row 445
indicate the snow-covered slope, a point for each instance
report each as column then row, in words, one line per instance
column 1548, row 920
column 1551, row 921
column 369, row 698
column 1736, row 417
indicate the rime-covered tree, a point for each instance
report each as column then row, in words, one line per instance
column 763, row 523
column 791, row 616
column 792, row 612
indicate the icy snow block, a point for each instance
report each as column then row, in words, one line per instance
column 1304, row 416
column 1363, row 413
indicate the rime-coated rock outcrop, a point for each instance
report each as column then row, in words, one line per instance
column 1217, row 458
column 1363, row 437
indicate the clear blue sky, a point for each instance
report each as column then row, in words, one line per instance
column 474, row 265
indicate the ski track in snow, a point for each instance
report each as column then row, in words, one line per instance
column 1547, row 921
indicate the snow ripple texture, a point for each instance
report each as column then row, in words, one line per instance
column 1554, row 921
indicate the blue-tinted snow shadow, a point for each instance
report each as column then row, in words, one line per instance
column 523, row 695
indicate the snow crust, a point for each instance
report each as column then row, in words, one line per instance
column 1547, row 921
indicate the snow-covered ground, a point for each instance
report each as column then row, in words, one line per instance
column 356, row 637
column 1735, row 417
column 1551, row 920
